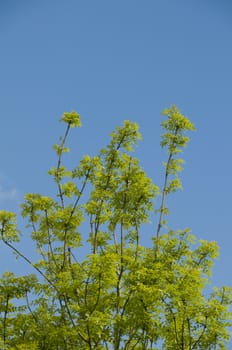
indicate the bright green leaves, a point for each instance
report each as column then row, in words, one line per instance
column 17, row 287
column 37, row 202
column 174, row 140
column 52, row 223
column 13, row 313
column 69, row 189
column 176, row 122
column 73, row 119
column 204, row 256
column 114, row 293
column 133, row 199
column 59, row 174
column 174, row 166
column 8, row 229
column 87, row 168
column 122, row 195
column 183, row 269
column 126, row 136
column 34, row 205
column 175, row 126
column 59, row 149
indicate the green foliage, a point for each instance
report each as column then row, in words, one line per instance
column 8, row 226
column 120, row 295
column 174, row 140
column 72, row 119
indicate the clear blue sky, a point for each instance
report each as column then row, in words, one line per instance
column 116, row 60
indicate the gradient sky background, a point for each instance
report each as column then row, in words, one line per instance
column 116, row 60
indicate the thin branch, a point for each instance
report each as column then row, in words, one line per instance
column 98, row 216
column 164, row 191
column 29, row 262
column 5, row 319
column 201, row 335
column 30, row 309
column 174, row 319
column 164, row 194
column 59, row 165
column 50, row 248
column 71, row 215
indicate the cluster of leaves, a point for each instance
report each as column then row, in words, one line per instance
column 121, row 295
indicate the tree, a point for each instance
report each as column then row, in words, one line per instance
column 121, row 295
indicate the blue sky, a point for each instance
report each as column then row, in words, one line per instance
column 116, row 60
